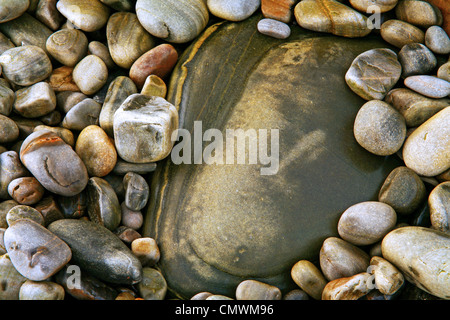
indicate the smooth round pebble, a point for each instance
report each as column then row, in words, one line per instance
column 26, row 190
column 67, row 46
column 257, row 290
column 82, row 115
column 9, row 131
column 42, row 290
column 429, row 86
column 100, row 50
column 233, row 10
column 398, row 33
column 87, row 15
column 309, row 278
column 137, row 191
column 439, row 204
column 415, row 59
column 131, row 218
column 379, row 128
column 153, row 285
column 274, row 28
column 146, row 250
column 419, row 13
column 437, row 40
column 90, row 74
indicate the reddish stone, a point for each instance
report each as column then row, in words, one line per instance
column 444, row 6
column 280, row 10
column 158, row 61
column 61, row 80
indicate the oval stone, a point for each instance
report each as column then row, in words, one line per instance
column 54, row 163
column 12, row 9
column 82, row 115
column 10, row 168
column 233, row 10
column 439, row 203
column 90, row 74
column 398, row 33
column 136, row 191
column 34, row 251
column 24, row 212
column 437, row 40
column 416, row 59
column 45, row 290
column 421, row 254
column 68, row 46
column 232, row 222
column 308, row 277
column 429, row 86
column 427, row 150
column 87, row 15
column 418, row 13
column 26, row 190
column 98, row 250
column 274, row 28
column 257, row 290
column 9, row 131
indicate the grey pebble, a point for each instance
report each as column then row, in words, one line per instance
column 429, row 86
column 10, row 168
column 437, row 40
column 24, row 212
column 137, row 191
column 10, row 278
column 153, row 285
column 82, row 115
column 416, row 59
column 439, row 203
column 41, row 290
column 274, row 28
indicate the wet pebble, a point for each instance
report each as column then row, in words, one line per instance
column 136, row 191
column 233, row 10
column 146, row 250
column 35, row 101
column 73, row 207
column 437, row 40
column 90, row 74
column 373, row 73
column 127, row 235
column 34, row 251
column 439, row 204
column 26, row 190
column 257, row 290
column 82, row 115
column 153, row 285
column 24, row 212
column 87, row 15
column 274, row 28
column 42, row 290
column 399, row 33
column 416, row 59
column 379, row 128
column 131, row 218
column 309, row 278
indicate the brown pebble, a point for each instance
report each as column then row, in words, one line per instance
column 61, row 80
column 26, row 190
column 280, row 10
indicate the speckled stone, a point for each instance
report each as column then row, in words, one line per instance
column 175, row 21
column 398, row 33
column 146, row 250
column 42, row 290
column 403, row 190
column 90, row 74
column 257, row 290
column 9, row 131
column 26, row 190
column 439, row 204
column 347, row 288
column 309, row 278
column 415, row 59
column 35, row 101
column 274, row 28
column 233, row 10
column 379, row 128
column 429, row 86
column 373, row 73
column 437, row 40
column 24, row 212
column 421, row 254
column 418, row 13
column 153, row 285
column 88, row 15
column 388, row 279
column 35, row 251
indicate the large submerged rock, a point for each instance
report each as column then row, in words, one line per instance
column 218, row 225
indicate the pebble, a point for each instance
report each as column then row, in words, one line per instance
column 82, row 115
column 34, row 251
column 427, row 150
column 421, row 254
column 414, row 107
column 5, row 206
column 63, row 133
column 403, row 190
column 26, row 126
column 437, row 40
column 10, row 168
column 54, row 163
column 102, row 51
column 24, row 212
column 35, row 101
column 123, row 167
column 96, row 150
column 131, row 218
column 296, row 294
column 87, row 15
column 365, row 5
column 418, row 13
column 26, row 190
column 348, row 288
column 10, row 279
column 25, row 65
column 388, row 280
column 68, row 46
column 103, row 206
column 280, row 10
column 415, row 59
column 159, row 61
column 444, row 72
column 42, row 290
column 233, row 10
column 309, row 278
column 339, row 258
column 47, row 13
column 201, row 296
column 120, row 5
column 61, row 79
column 143, row 127
column 274, row 28
column 9, row 131
column 49, row 209
column 429, row 86
column 12, row 9
column 374, row 73
column 5, row 43
column 127, row 39
column 66, row 100
column 154, row 86
column 137, row 191
column 176, row 21
column 379, row 128
column 366, row 223
column 90, row 74
column 98, row 250
column 146, row 250
column 119, row 89
column 127, row 235
column 153, row 285
column 52, row 118
column 7, row 97
column 82, row 286
column 116, row 182
column 332, row 17
column 399, row 33
column 257, row 290
column 439, row 204
column 73, row 207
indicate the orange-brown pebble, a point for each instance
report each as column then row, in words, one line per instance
column 280, row 10
column 61, row 80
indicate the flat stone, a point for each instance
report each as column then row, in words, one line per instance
column 418, row 13
column 257, row 290
column 87, row 15
column 143, row 127
column 437, row 40
column 388, row 279
column 90, row 74
column 34, row 251
column 414, row 107
column 98, row 250
column 10, row 168
column 68, row 46
column 54, row 163
column 146, row 250
column 403, row 190
column 347, row 288
column 26, row 190
column 137, row 191
column 24, row 212
column 96, row 150
column 365, row 5
column 429, row 86
column 415, row 59
column 173, row 20
column 9, row 131
column 233, row 10
column 274, row 28
column 153, row 285
column 309, row 278
column 10, row 278
column 379, row 128
column 82, row 115
column 35, row 101
column 158, row 61
column 421, row 254
column 439, row 203
column 127, row 39
column 339, row 259
column 103, row 206
column 399, row 33
column 332, row 17
column 42, row 290
column 373, row 73
column 12, row 9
